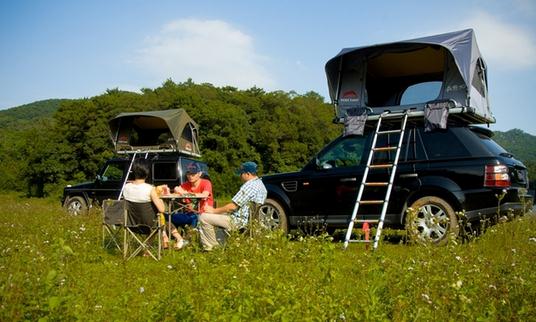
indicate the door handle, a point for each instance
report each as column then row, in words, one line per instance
column 409, row 175
column 348, row 179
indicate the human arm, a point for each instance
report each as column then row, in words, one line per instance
column 230, row 207
column 157, row 201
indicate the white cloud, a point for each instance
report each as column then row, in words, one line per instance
column 504, row 45
column 210, row 51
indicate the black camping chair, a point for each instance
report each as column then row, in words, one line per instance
column 141, row 224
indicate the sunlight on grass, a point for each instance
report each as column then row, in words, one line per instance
column 52, row 266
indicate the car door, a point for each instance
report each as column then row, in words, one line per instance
column 328, row 189
column 109, row 182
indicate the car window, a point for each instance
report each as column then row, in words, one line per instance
column 491, row 145
column 443, row 144
column 344, row 153
column 113, row 172
column 165, row 171
column 421, row 93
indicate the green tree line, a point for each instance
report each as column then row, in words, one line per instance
column 278, row 130
column 48, row 144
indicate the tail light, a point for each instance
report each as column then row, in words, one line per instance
column 496, row 176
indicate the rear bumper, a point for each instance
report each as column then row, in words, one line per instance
column 503, row 209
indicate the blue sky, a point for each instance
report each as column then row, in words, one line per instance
column 75, row 49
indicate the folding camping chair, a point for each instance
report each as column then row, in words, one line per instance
column 113, row 219
column 140, row 224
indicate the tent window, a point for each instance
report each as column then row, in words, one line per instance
column 420, row 93
column 479, row 78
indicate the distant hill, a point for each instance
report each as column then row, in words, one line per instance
column 521, row 144
column 28, row 112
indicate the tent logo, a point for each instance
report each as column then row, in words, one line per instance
column 349, row 96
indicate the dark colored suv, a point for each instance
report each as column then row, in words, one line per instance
column 439, row 173
column 166, row 168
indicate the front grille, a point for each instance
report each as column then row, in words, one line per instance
column 290, row 186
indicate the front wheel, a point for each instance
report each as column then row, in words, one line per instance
column 272, row 216
column 433, row 220
column 76, row 206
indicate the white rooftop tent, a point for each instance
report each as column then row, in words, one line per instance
column 375, row 77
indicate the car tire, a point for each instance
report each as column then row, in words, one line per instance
column 433, row 221
column 76, row 206
column 273, row 216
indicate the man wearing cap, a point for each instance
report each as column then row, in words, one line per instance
column 235, row 214
column 200, row 188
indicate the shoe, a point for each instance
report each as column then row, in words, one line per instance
column 165, row 245
column 181, row 244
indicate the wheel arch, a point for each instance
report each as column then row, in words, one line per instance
column 441, row 187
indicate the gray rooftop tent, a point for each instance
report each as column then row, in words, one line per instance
column 375, row 77
column 155, row 131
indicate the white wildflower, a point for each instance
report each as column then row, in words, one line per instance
column 142, row 289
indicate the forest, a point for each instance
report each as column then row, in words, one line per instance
column 59, row 142
column 49, row 144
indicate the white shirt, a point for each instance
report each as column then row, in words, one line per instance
column 138, row 192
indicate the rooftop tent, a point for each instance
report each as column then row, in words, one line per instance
column 407, row 74
column 155, row 131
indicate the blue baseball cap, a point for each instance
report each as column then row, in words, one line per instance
column 247, row 167
column 193, row 168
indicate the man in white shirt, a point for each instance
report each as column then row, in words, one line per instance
column 234, row 215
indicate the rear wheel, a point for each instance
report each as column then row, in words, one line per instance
column 76, row 206
column 272, row 215
column 433, row 221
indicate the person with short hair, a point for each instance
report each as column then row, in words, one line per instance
column 140, row 191
column 234, row 215
column 197, row 186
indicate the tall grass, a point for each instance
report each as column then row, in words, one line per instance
column 52, row 267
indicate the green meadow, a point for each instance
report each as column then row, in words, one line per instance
column 52, row 268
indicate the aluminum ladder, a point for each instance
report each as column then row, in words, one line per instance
column 365, row 183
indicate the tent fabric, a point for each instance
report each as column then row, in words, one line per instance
column 166, row 130
column 361, row 76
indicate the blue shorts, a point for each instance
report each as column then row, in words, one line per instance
column 183, row 219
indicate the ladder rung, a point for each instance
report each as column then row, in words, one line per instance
column 385, row 148
column 378, row 166
column 376, row 184
column 389, row 131
column 371, row 202
column 360, row 241
column 370, row 221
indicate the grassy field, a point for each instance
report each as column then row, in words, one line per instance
column 52, row 267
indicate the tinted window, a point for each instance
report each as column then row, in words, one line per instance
column 420, row 93
column 163, row 171
column 491, row 145
column 443, row 144
column 345, row 153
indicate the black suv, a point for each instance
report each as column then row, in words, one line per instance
column 166, row 168
column 439, row 173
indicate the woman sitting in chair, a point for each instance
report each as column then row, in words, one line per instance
column 139, row 191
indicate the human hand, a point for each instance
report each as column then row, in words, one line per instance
column 176, row 190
